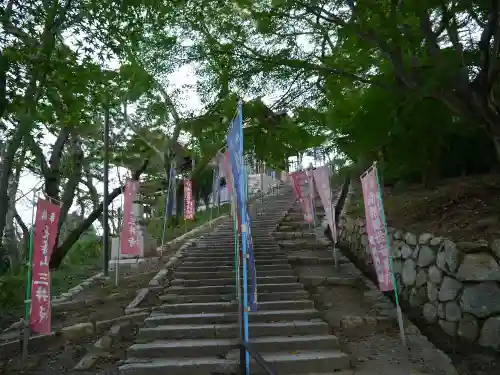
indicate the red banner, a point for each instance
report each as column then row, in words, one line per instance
column 299, row 179
column 376, row 229
column 129, row 238
column 189, row 208
column 45, row 234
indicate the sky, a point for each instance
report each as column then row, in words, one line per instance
column 184, row 77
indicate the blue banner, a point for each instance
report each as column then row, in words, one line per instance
column 273, row 175
column 235, row 148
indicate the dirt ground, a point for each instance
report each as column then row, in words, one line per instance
column 462, row 209
column 62, row 355
column 377, row 350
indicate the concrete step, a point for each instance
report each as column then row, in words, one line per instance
column 207, row 298
column 265, row 267
column 217, row 248
column 230, row 262
column 229, row 274
column 293, row 226
column 157, row 319
column 225, row 289
column 231, row 330
column 297, row 244
column 305, row 362
column 231, row 281
column 220, row 347
column 229, row 252
column 217, row 307
column 203, row 257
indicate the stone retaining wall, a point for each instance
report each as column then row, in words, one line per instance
column 455, row 285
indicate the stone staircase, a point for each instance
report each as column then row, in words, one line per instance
column 196, row 330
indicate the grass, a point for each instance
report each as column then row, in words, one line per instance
column 462, row 209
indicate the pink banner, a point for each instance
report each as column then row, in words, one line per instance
column 376, row 229
column 299, row 181
column 322, row 180
column 188, row 200
column 129, row 238
column 45, row 234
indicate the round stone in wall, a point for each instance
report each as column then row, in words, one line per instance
column 449, row 289
column 435, row 275
column 410, row 239
column 490, row 333
column 448, row 258
column 406, row 251
column 421, row 277
column 424, row 238
column 448, row 327
column 409, row 272
column 430, row 312
column 426, row 256
column 468, row 327
column 481, row 300
column 479, row 267
column 453, row 313
column 432, row 292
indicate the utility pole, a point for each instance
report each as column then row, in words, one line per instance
column 105, row 199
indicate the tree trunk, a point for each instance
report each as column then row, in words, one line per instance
column 71, row 185
column 12, row 246
column 60, row 251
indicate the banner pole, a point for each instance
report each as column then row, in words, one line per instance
column 27, row 302
column 391, row 267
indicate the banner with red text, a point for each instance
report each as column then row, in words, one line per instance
column 130, row 243
column 44, row 240
column 321, row 177
column 188, row 200
column 376, row 228
column 299, row 182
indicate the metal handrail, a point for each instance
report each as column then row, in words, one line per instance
column 266, row 366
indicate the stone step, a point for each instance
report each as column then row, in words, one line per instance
column 203, row 269
column 217, row 247
column 231, row 281
column 231, row 330
column 229, row 274
column 304, row 362
column 230, row 262
column 219, row 348
column 207, row 298
column 218, row 307
column 203, row 257
column 225, row 289
column 157, row 319
column 221, row 252
column 302, row 244
column 293, row 227
column 294, row 235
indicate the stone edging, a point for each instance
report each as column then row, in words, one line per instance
column 156, row 282
column 65, row 301
column 71, row 293
column 415, row 340
column 453, row 285
column 132, row 311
